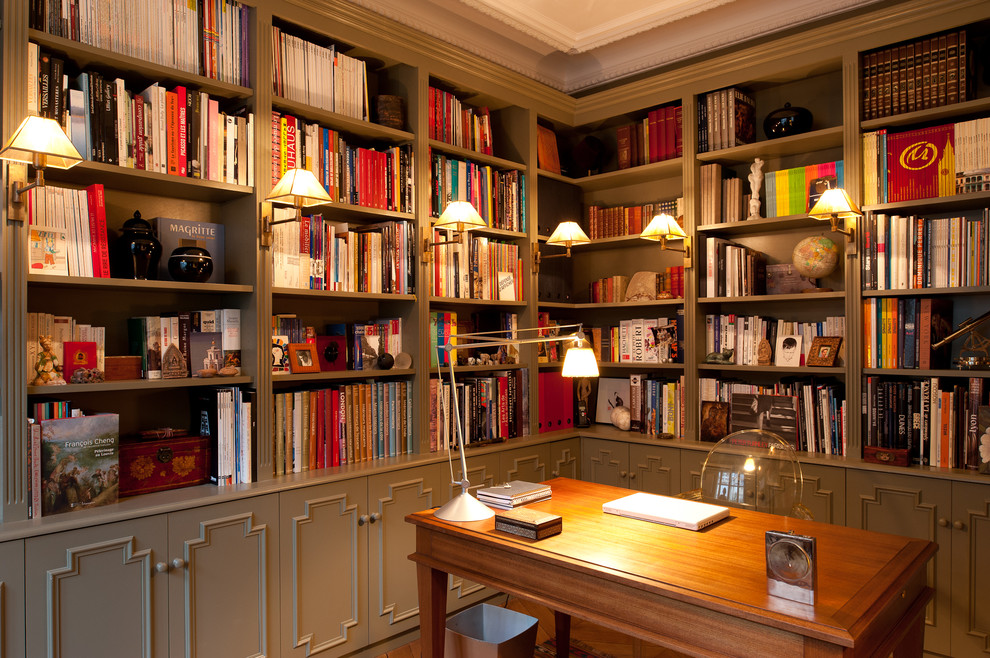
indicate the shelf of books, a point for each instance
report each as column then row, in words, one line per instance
column 283, row 378
column 184, row 287
column 138, row 385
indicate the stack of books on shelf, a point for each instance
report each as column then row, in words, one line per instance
column 722, row 199
column 794, row 191
column 68, row 234
column 62, row 330
column 613, row 289
column 493, row 408
column 656, row 406
column 616, row 221
column 187, row 343
column 726, row 118
column 319, row 76
column 453, row 123
column 380, row 177
column 498, row 196
column 653, row 139
column 732, row 270
column 924, row 73
column 925, row 163
column 903, row 252
column 935, row 421
column 445, row 325
column 343, row 424
column 476, row 267
column 207, row 37
column 641, row 340
column 743, row 334
column 513, row 494
column 318, row 254
column 225, row 414
column 899, row 332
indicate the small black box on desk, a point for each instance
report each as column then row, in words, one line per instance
column 528, row 523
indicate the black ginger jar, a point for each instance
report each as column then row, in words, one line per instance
column 193, row 264
column 787, row 121
column 136, row 251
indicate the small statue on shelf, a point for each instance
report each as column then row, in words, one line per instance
column 755, row 182
column 48, row 370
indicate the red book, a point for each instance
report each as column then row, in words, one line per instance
column 98, row 215
column 678, row 133
column 182, row 127
column 172, row 131
column 333, row 432
column 314, row 413
column 656, row 135
column 921, row 164
column 276, row 147
column 77, row 355
column 321, row 428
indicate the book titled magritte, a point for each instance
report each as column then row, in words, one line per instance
column 529, row 523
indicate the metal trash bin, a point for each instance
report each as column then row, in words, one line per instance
column 489, row 631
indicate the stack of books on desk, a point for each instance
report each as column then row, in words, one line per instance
column 513, row 494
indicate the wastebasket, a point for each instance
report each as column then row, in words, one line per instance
column 488, row 631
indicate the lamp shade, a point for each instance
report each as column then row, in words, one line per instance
column 579, row 360
column 568, row 234
column 299, row 187
column 661, row 227
column 460, row 216
column 41, row 142
column 835, row 203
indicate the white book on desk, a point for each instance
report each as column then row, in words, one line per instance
column 677, row 512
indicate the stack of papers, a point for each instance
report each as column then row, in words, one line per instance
column 513, row 494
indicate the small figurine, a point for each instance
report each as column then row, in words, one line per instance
column 48, row 369
column 755, row 181
column 722, row 358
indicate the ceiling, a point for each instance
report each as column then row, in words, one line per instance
column 576, row 45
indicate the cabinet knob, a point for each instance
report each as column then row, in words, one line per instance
column 555, row 473
column 623, row 474
column 958, row 525
column 943, row 523
column 375, row 517
column 161, row 567
column 362, row 519
column 632, row 475
column 178, row 563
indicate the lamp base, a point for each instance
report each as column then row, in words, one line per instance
column 464, row 507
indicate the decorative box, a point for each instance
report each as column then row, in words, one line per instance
column 121, row 367
column 892, row 456
column 157, row 464
column 528, row 523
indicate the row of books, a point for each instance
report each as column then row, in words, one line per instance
column 68, row 234
column 903, row 252
column 613, row 289
column 381, row 177
column 732, row 270
column 925, row 163
column 187, row 343
column 318, row 76
column 498, row 196
column 794, row 191
column 555, row 402
column 457, row 124
column 226, row 415
column 722, row 199
column 476, row 267
column 358, row 344
column 207, row 37
column 656, row 405
column 726, row 118
column 925, row 73
column 445, row 325
column 899, row 332
column 640, row 340
column 342, row 424
column 938, row 421
column 616, row 221
column 318, row 254
column 493, row 407
column 655, row 138
column 63, row 330
column 743, row 335
column 808, row 413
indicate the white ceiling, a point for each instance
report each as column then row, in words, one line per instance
column 573, row 45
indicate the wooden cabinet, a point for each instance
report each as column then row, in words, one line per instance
column 643, row 467
column 12, row 598
column 530, row 464
column 565, row 459
column 970, row 524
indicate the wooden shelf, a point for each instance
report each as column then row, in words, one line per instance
column 136, row 285
column 918, row 372
column 152, row 183
column 137, row 385
column 611, row 365
column 976, row 106
column 340, row 122
column 778, row 370
column 937, row 204
column 339, row 211
column 762, row 225
column 477, row 368
column 929, row 292
column 457, row 301
column 337, row 375
column 339, row 294
column 474, row 156
column 760, row 299
column 631, row 176
column 578, row 306
column 816, row 140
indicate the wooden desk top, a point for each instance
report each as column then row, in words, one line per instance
column 864, row 577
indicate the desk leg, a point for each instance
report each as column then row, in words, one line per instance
column 432, row 609
column 562, row 629
column 912, row 645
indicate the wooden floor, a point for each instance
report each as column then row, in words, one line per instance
column 604, row 642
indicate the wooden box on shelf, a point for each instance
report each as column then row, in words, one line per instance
column 122, row 367
column 889, row 456
column 151, row 462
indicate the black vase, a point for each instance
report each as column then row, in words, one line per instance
column 136, row 251
column 193, row 264
column 787, row 121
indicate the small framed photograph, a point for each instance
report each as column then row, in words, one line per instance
column 302, row 358
column 824, row 351
column 788, row 352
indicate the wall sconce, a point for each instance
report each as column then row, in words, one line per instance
column 663, row 227
column 40, row 142
column 297, row 188
column 567, row 234
column 458, row 216
column 833, row 205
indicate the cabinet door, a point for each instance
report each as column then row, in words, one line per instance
column 323, row 567
column 223, row 601
column 654, row 469
column 392, row 586
column 98, row 591
column 605, row 462
column 691, row 462
column 12, row 599
column 825, row 493
column 912, row 507
column 529, row 464
column 970, row 525
column 483, row 471
column 565, row 459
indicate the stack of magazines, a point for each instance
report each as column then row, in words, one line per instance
column 513, row 494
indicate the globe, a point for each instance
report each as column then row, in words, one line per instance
column 815, row 257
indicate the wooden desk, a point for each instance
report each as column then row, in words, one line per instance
column 702, row 593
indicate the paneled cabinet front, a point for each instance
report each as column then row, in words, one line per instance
column 655, row 469
column 12, row 599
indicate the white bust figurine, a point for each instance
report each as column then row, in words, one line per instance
column 755, row 181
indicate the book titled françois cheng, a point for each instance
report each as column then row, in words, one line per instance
column 174, row 233
column 78, row 463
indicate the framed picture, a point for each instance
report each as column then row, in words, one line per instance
column 788, row 352
column 824, row 350
column 280, row 354
column 302, row 358
column 612, row 392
